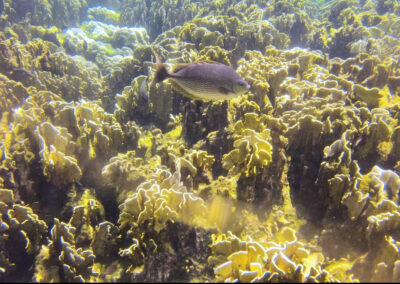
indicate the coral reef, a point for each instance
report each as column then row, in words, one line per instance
column 60, row 260
column 248, row 261
column 105, row 177
column 252, row 150
column 22, row 233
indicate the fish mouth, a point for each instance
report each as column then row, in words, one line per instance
column 248, row 86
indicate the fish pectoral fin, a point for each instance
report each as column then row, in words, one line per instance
column 224, row 90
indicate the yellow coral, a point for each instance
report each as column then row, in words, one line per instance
column 253, row 150
column 249, row 260
column 159, row 204
column 370, row 96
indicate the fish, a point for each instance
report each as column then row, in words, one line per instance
column 143, row 92
column 24, row 76
column 20, row 73
column 206, row 80
column 79, row 186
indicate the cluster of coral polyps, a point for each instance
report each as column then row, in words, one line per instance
column 104, row 178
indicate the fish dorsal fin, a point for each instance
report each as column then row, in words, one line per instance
column 180, row 66
column 210, row 61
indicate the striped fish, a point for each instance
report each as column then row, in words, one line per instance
column 203, row 80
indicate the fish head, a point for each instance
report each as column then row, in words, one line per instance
column 240, row 86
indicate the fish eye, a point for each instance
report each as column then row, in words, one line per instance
column 240, row 83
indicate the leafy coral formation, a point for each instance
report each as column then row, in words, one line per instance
column 104, row 178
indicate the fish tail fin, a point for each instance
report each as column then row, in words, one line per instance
column 161, row 73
